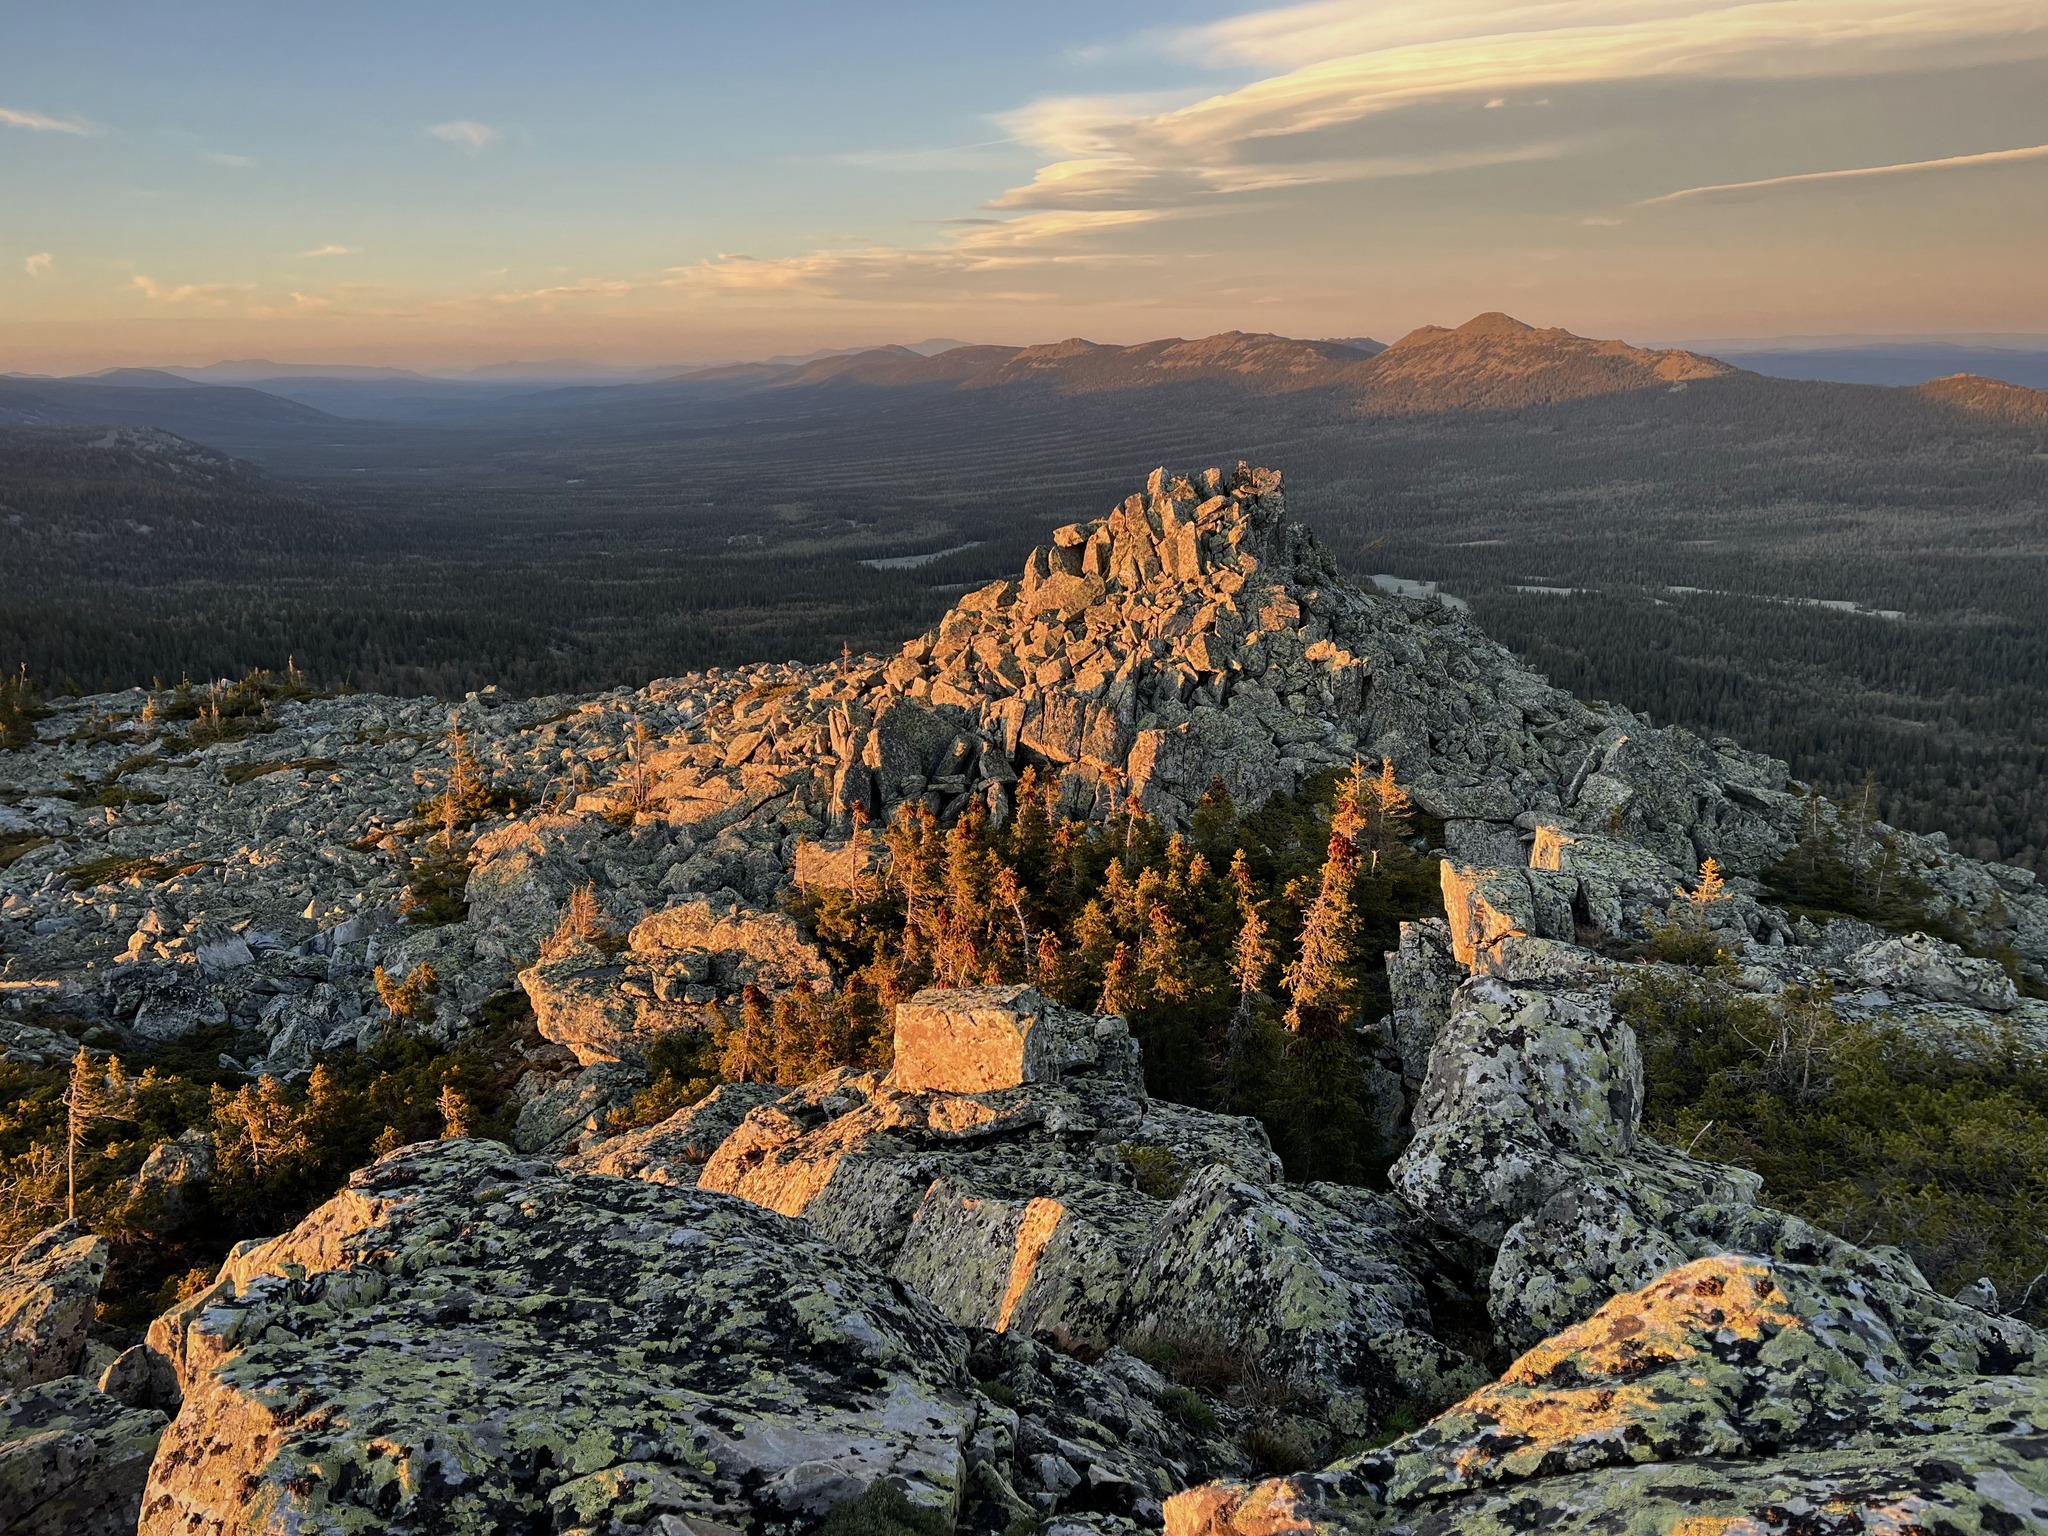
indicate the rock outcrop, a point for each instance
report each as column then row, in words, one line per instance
column 72, row 1456
column 532, row 1348
column 1761, row 1393
column 47, row 1295
column 1012, row 1170
column 1193, row 634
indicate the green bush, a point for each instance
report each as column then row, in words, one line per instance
column 884, row 1511
column 1186, row 1405
column 1861, row 1128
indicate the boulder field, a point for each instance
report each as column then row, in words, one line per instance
column 998, row 1288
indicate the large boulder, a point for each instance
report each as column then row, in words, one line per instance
column 49, row 1293
column 467, row 1340
column 1757, row 1389
column 979, row 1039
column 72, row 1460
column 526, row 1345
column 1528, row 1141
column 1069, row 1206
column 607, row 1005
column 1318, row 1284
column 1932, row 970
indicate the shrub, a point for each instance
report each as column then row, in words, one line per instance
column 407, row 999
column 21, row 706
column 1158, row 1171
column 884, row 1511
column 1186, row 1405
column 1861, row 1128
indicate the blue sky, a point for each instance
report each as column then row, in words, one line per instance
column 440, row 184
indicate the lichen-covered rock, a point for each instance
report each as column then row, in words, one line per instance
column 72, row 1460
column 164, row 1186
column 49, row 1291
column 1083, row 1441
column 578, row 1106
column 1317, row 1283
column 1725, row 1356
column 1918, row 966
column 606, row 1005
column 140, row 1377
column 981, row 1039
column 1422, row 974
column 1040, row 1265
column 1484, row 906
column 675, row 1150
column 465, row 1340
column 1613, row 883
column 1559, row 1263
column 1527, row 1140
column 1733, row 1394
column 1522, row 1087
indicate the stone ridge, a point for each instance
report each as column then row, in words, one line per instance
column 1193, row 633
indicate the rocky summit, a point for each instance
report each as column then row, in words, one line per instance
column 996, row 1285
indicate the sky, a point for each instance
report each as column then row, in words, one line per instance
column 440, row 184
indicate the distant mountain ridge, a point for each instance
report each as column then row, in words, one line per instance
column 1492, row 362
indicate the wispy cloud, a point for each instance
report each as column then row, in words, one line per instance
column 186, row 293
column 1347, row 62
column 232, row 162
column 1947, row 162
column 37, row 122
column 333, row 250
column 37, row 264
column 468, row 135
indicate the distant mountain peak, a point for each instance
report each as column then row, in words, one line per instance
column 1494, row 323
column 1992, row 399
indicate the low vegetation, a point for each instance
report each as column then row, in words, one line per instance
column 276, row 1149
column 1937, row 1146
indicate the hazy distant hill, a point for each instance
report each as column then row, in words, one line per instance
column 1992, row 399
column 1492, row 362
column 193, row 410
column 1495, row 362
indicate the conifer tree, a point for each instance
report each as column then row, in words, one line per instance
column 1251, row 954
column 94, row 1093
column 749, row 1048
column 1319, row 980
column 1119, row 983
column 458, row 1118
column 1388, row 812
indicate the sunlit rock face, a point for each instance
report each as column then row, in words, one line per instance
column 1068, row 1205
column 1751, row 1387
column 73, row 1455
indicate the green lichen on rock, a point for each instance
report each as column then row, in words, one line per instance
column 465, row 1339
column 72, row 1460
